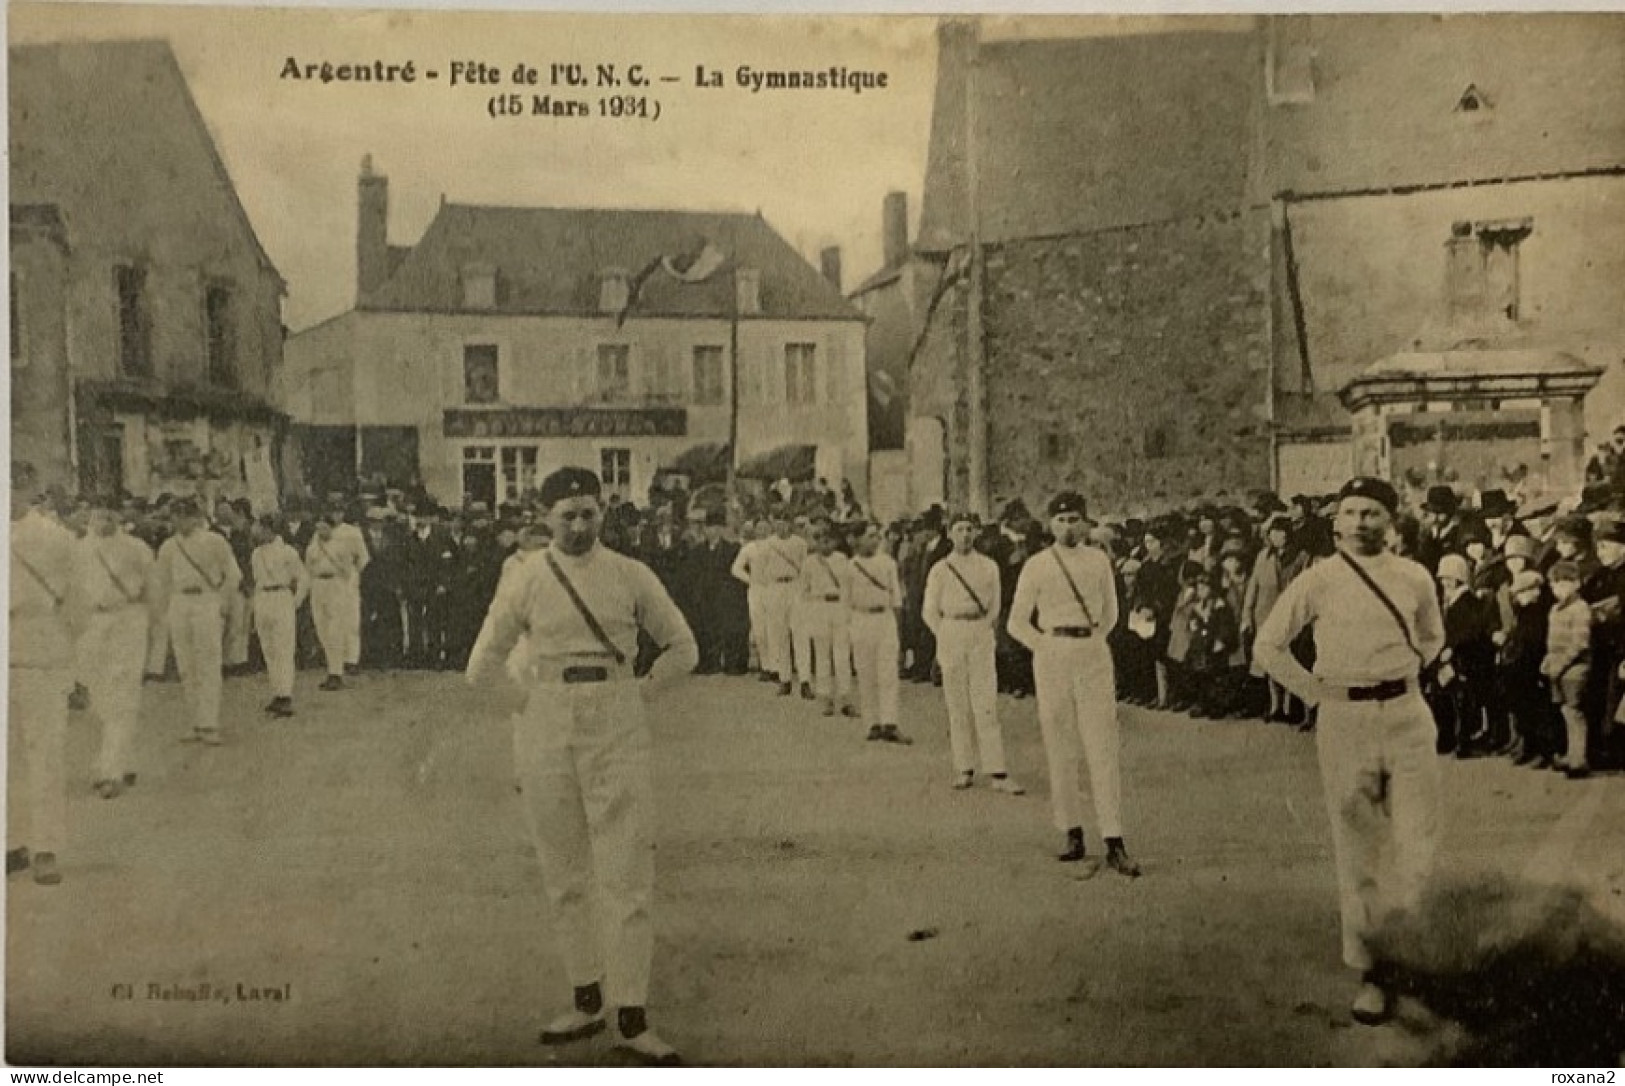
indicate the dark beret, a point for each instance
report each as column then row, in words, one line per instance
column 186, row 507
column 1610, row 530
column 966, row 516
column 716, row 518
column 569, row 483
column 1378, row 490
column 1067, row 501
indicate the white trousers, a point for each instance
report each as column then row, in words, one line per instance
column 1077, row 714
column 352, row 620
column 38, row 733
column 234, row 652
column 1380, row 769
column 329, row 602
column 274, row 624
column 158, row 642
column 117, row 641
column 965, row 651
column 801, row 637
column 776, row 601
column 195, row 628
column 874, row 655
column 582, row 764
column 832, row 654
column 758, row 625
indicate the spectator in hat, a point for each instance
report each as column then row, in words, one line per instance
column 1275, row 567
column 1521, row 683
column 1604, row 592
column 1500, row 519
column 723, row 611
column 1443, row 526
column 1215, row 635
column 1464, row 667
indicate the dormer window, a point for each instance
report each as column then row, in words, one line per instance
column 1472, row 100
column 613, row 290
column 748, row 291
column 479, row 286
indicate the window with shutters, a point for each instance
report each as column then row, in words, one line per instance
column 1483, row 281
column 708, row 382
column 615, row 469
column 134, row 321
column 481, row 379
column 663, row 383
column 614, row 372
column 220, row 333
column 800, row 373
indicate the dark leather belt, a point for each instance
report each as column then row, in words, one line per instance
column 326, row 576
column 191, row 591
column 783, row 580
column 273, row 588
column 831, row 599
column 870, row 610
column 585, row 674
column 1075, row 632
column 966, row 618
column 1388, row 691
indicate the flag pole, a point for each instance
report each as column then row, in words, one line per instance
column 733, row 380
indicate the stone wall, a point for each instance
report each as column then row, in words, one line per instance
column 1132, row 364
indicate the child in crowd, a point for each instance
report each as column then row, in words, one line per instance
column 1567, row 663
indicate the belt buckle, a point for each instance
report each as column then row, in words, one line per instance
column 585, row 673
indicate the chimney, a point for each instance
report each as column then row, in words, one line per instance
column 747, row 291
column 894, row 228
column 829, row 261
column 372, row 230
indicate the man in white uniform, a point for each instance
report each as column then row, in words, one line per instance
column 874, row 593
column 40, row 676
column 196, row 573
column 779, row 557
column 961, row 608
column 280, row 587
column 1071, row 588
column 114, row 573
column 329, row 566
column 751, row 570
column 823, row 610
column 582, row 751
column 1376, row 624
column 351, row 547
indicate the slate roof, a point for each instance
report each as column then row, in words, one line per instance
column 138, row 169
column 550, row 261
column 1077, row 135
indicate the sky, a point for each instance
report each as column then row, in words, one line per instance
column 816, row 164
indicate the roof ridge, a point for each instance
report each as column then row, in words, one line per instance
column 601, row 209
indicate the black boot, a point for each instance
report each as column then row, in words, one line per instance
column 1074, row 846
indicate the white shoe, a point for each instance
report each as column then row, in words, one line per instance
column 1008, row 787
column 572, row 1026
column 1373, row 1005
column 649, row 1049
column 963, row 781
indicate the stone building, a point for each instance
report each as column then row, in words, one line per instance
column 511, row 340
column 1158, row 259
column 145, row 315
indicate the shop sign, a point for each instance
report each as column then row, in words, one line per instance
column 566, row 422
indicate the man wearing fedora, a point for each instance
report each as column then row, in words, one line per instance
column 1500, row 518
column 1376, row 624
column 1443, row 527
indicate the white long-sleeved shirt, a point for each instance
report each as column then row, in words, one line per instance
column 114, row 571
column 946, row 599
column 277, row 564
column 42, row 590
column 778, row 560
column 1357, row 641
column 823, row 576
column 1043, row 587
column 863, row 593
column 350, row 542
column 622, row 593
column 202, row 560
column 328, row 559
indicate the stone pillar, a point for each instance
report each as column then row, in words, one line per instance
column 1565, row 467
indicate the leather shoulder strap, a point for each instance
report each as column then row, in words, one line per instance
column 1387, row 603
column 587, row 616
column 1073, row 585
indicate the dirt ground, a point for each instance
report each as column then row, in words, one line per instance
column 366, row 859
